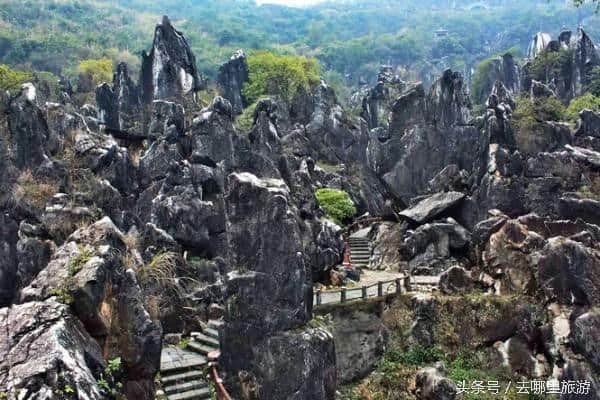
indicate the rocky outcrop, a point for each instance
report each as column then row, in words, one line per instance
column 88, row 272
column 433, row 385
column 360, row 340
column 538, row 44
column 432, row 206
column 119, row 106
column 503, row 69
column 232, row 76
column 169, row 71
column 28, row 131
column 426, row 134
column 269, row 300
column 378, row 102
column 433, row 248
column 577, row 59
column 45, row 353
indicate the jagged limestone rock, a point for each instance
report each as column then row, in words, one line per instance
column 169, row 71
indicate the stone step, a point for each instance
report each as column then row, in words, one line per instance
column 197, row 362
column 199, row 394
column 360, row 252
column 359, row 242
column 200, row 347
column 185, row 387
column 215, row 324
column 211, row 332
column 359, row 259
column 181, row 377
column 205, row 339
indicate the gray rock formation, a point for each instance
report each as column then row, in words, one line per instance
column 505, row 70
column 232, row 76
column 119, row 106
column 432, row 206
column 538, row 44
column 426, row 134
column 44, row 350
column 266, row 349
column 107, row 299
column 169, row 71
column 433, row 385
column 29, row 133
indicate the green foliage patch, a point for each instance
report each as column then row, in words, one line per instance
column 279, row 75
column 586, row 101
column 337, row 204
column 11, row 79
column 529, row 118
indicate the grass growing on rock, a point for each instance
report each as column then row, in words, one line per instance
column 34, row 190
column 77, row 263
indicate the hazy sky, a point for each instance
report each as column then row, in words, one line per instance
column 293, row 3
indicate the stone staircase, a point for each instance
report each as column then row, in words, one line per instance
column 183, row 371
column 360, row 251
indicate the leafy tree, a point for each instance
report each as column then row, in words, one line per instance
column 481, row 85
column 93, row 73
column 549, row 64
column 280, row 75
column 588, row 100
column 11, row 79
column 337, row 204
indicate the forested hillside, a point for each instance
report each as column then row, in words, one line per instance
column 350, row 40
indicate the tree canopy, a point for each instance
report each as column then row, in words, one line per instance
column 279, row 75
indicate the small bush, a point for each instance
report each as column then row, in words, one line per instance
column 337, row 204
column 549, row 64
column 244, row 121
column 416, row 356
column 588, row 100
column 63, row 296
column 76, row 263
column 11, row 79
column 530, row 116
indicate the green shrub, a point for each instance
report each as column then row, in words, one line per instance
column 76, row 263
column 244, row 121
column 588, row 100
column 11, row 80
column 415, row 356
column 337, row 204
column 529, row 117
column 279, row 75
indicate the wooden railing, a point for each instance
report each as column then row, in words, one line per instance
column 214, row 376
column 399, row 285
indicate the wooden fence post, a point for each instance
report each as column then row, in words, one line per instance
column 407, row 283
column 379, row 289
column 343, row 294
column 319, row 299
column 364, row 292
column 398, row 286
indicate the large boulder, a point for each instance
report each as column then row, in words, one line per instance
column 232, row 76
column 8, row 257
column 432, row 206
column 568, row 272
column 169, row 71
column 432, row 384
column 45, row 353
column 584, row 333
column 433, row 248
